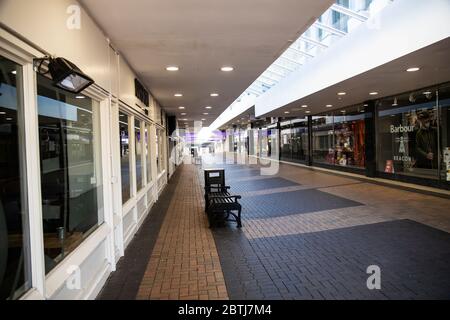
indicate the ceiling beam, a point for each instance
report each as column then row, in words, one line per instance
column 349, row 12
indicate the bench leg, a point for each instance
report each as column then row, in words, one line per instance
column 239, row 221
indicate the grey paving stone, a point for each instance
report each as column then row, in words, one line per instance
column 414, row 261
column 294, row 202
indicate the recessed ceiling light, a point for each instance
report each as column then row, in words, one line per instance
column 214, row 94
column 8, row 119
column 329, row 106
column 427, row 92
column 366, row 105
column 181, row 108
column 80, row 97
column 2, row 112
column 304, row 106
column 178, row 94
column 227, row 68
column 206, row 113
column 342, row 93
column 183, row 114
column 413, row 69
column 14, row 72
column 362, row 111
column 203, row 119
column 172, row 68
column 373, row 93
column 184, row 119
column 208, row 107
column 307, row 111
column 286, row 112
column 343, row 111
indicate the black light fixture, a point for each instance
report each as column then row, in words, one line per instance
column 65, row 74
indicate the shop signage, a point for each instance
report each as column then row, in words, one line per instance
column 401, row 129
column 141, row 93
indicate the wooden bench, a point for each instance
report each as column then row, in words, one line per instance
column 219, row 203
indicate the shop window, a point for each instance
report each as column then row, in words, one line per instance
column 138, row 153
column 349, row 138
column 323, row 140
column 158, row 152
column 444, row 106
column 148, row 153
column 125, row 165
column 286, row 141
column 14, row 244
column 161, row 150
column 72, row 204
column 339, row 139
column 294, row 140
column 300, row 142
column 407, row 135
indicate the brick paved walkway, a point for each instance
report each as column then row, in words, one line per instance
column 305, row 235
column 315, row 240
column 184, row 263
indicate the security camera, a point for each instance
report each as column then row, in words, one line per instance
column 412, row 98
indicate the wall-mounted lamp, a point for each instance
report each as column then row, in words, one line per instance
column 65, row 74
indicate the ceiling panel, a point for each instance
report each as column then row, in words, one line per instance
column 200, row 37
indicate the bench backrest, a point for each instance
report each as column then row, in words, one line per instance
column 214, row 177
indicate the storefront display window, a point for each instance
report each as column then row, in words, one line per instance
column 286, row 140
column 408, row 128
column 349, row 138
column 323, row 139
column 339, row 139
column 138, row 153
column 72, row 202
column 294, row 140
column 14, row 242
column 125, row 157
column 444, row 107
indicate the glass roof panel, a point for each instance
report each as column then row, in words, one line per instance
column 336, row 22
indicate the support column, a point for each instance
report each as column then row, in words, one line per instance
column 370, row 140
column 309, row 158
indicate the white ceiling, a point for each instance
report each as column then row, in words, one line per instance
column 201, row 36
column 388, row 80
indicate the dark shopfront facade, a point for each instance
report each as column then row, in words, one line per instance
column 404, row 137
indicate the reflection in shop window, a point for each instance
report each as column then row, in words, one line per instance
column 125, row 157
column 72, row 203
column 14, row 244
column 323, row 139
column 294, row 140
column 161, row 150
column 138, row 152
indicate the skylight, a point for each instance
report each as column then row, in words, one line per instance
column 335, row 23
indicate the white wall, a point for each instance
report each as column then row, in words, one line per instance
column 43, row 23
column 401, row 28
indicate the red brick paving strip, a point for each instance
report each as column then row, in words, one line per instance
column 184, row 264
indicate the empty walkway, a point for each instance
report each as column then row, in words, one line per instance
column 306, row 235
